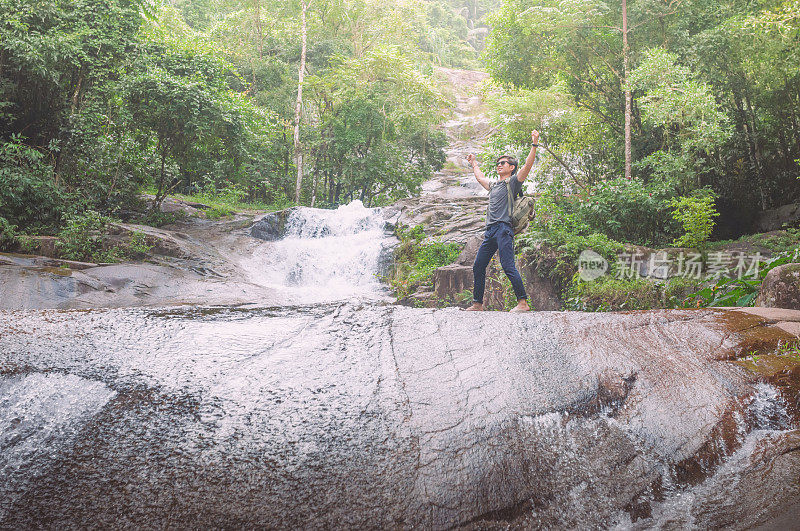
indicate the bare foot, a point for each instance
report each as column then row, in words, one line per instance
column 476, row 307
column 522, row 306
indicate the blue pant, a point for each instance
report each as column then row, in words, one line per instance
column 498, row 237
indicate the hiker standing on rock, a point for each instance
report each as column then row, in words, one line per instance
column 499, row 234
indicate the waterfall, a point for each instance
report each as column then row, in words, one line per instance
column 325, row 255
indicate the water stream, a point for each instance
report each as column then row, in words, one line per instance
column 326, row 255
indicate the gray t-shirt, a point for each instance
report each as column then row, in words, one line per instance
column 498, row 200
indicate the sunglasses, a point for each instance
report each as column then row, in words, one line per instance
column 503, row 162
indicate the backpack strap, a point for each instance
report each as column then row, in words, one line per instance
column 510, row 198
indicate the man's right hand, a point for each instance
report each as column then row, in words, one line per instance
column 477, row 171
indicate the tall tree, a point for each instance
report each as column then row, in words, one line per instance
column 298, row 108
column 627, row 91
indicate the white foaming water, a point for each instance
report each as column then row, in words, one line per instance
column 767, row 418
column 768, row 409
column 326, row 255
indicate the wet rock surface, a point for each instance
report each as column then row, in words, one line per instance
column 271, row 227
column 380, row 416
column 192, row 262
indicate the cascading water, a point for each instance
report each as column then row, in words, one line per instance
column 765, row 421
column 325, row 255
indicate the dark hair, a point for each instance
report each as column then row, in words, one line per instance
column 511, row 160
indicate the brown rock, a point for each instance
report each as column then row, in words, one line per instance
column 470, row 250
column 451, row 280
column 781, row 288
column 771, row 314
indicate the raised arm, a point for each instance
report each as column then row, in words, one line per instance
column 522, row 174
column 477, row 171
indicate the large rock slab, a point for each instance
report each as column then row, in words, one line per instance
column 447, row 220
column 383, row 416
column 198, row 262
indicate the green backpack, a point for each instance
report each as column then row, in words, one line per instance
column 520, row 210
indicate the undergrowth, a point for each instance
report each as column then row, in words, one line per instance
column 82, row 239
column 415, row 260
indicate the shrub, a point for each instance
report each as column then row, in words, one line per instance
column 609, row 294
column 678, row 291
column 218, row 212
column 740, row 291
column 156, row 218
column 557, row 237
column 626, row 210
column 137, row 246
column 82, row 238
column 8, row 235
column 696, row 214
column 612, row 294
column 416, row 261
column 29, row 197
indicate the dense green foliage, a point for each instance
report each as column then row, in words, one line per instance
column 730, row 291
column 697, row 216
column 100, row 99
column 715, row 105
column 81, row 238
column 613, row 294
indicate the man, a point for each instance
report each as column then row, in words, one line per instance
column 499, row 234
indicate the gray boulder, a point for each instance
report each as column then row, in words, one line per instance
column 271, row 227
column 781, row 288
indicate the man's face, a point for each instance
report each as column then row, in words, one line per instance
column 504, row 168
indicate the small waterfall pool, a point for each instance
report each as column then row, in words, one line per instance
column 326, row 256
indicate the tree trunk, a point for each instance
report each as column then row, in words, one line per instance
column 783, row 146
column 259, row 29
column 625, row 66
column 285, row 159
column 77, row 93
column 314, row 184
column 337, row 191
column 756, row 153
column 158, row 198
column 298, row 150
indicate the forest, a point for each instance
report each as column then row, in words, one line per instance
column 646, row 106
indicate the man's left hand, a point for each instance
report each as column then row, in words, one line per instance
column 535, row 136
